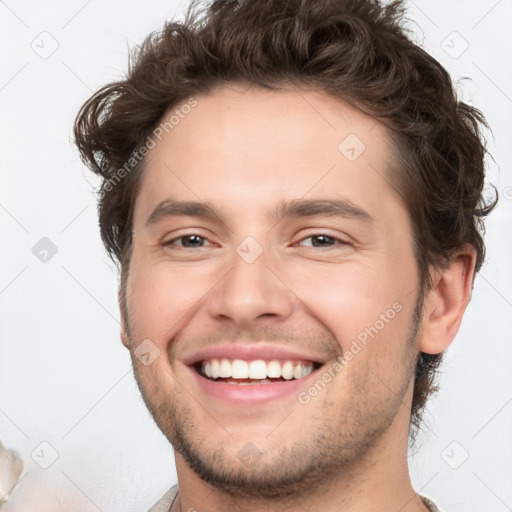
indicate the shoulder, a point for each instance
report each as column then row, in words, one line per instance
column 430, row 504
column 165, row 502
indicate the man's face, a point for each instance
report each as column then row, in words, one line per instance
column 331, row 293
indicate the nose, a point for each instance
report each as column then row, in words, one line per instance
column 251, row 292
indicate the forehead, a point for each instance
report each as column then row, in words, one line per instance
column 250, row 147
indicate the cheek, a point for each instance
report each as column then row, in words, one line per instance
column 368, row 309
column 160, row 297
column 345, row 297
column 370, row 316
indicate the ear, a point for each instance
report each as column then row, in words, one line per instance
column 446, row 302
column 124, row 330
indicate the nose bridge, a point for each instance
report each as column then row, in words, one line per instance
column 252, row 288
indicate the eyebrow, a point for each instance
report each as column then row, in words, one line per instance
column 321, row 207
column 298, row 208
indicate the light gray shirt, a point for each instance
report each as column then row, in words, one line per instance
column 165, row 502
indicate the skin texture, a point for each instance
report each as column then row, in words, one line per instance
column 245, row 149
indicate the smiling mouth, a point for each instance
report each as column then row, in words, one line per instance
column 251, row 372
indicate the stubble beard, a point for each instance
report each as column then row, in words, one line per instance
column 337, row 448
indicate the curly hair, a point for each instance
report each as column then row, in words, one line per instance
column 356, row 50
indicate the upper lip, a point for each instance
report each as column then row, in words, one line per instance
column 250, row 352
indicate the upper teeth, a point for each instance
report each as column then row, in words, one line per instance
column 257, row 369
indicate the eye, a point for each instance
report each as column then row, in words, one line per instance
column 189, row 241
column 323, row 240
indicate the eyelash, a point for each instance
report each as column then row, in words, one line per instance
column 316, row 235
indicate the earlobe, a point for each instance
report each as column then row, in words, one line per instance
column 123, row 332
column 124, row 336
column 446, row 302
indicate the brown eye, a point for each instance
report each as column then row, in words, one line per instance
column 322, row 240
column 190, row 241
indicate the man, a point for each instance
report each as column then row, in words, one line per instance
column 294, row 195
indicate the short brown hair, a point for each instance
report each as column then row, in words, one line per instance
column 356, row 50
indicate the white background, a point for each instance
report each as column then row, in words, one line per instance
column 65, row 378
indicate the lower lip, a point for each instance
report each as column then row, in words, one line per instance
column 250, row 394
